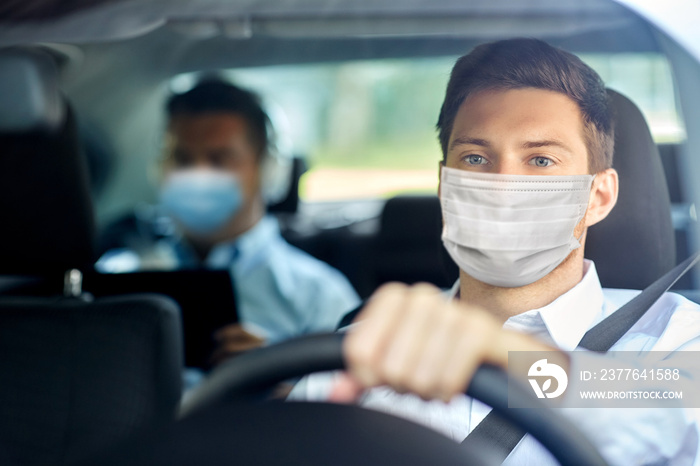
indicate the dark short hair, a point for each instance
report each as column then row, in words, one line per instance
column 523, row 63
column 214, row 95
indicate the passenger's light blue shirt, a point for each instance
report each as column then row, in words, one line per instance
column 281, row 291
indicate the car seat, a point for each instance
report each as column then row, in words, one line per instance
column 408, row 246
column 635, row 244
column 78, row 375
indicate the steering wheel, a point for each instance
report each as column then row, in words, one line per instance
column 220, row 425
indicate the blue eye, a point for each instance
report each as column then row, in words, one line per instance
column 474, row 159
column 541, row 162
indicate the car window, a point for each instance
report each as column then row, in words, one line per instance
column 647, row 80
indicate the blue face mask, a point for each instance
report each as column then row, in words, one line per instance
column 201, row 200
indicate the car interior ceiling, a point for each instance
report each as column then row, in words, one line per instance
column 120, row 19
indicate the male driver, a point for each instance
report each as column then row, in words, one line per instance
column 216, row 144
column 514, row 111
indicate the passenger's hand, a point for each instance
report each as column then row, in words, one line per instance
column 232, row 340
column 413, row 340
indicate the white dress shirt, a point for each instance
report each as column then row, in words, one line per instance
column 625, row 436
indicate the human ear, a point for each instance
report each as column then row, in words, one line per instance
column 603, row 196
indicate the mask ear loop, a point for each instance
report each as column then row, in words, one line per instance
column 584, row 214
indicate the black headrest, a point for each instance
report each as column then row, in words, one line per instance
column 46, row 211
column 408, row 246
column 30, row 99
column 635, row 244
column 411, row 219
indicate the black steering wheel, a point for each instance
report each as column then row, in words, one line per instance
column 220, row 425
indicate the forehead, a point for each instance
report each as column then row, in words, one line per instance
column 209, row 128
column 513, row 114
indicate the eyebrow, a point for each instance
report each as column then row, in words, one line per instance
column 461, row 141
column 546, row 143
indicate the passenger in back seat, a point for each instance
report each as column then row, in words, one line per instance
column 217, row 141
column 527, row 140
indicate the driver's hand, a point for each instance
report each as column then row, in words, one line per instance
column 232, row 340
column 413, row 340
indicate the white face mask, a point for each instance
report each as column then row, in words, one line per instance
column 511, row 230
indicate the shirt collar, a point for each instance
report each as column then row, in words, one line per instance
column 566, row 319
column 245, row 246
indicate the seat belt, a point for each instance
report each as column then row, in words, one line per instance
column 503, row 436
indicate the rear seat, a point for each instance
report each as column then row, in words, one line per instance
column 408, row 247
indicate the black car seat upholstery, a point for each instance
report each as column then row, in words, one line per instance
column 635, row 244
column 78, row 375
column 45, row 204
column 408, row 246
